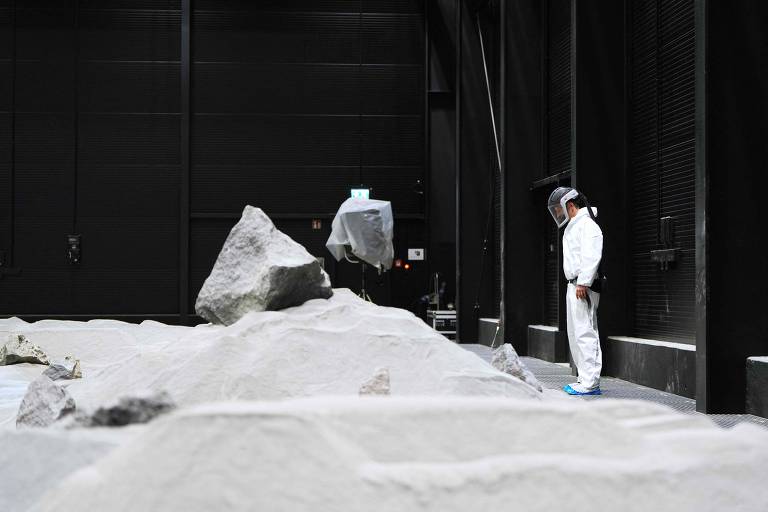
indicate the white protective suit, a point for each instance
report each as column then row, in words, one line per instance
column 582, row 252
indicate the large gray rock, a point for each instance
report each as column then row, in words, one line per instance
column 18, row 349
column 127, row 411
column 259, row 269
column 505, row 359
column 45, row 403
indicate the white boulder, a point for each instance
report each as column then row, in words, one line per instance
column 259, row 269
column 18, row 349
column 505, row 359
column 45, row 403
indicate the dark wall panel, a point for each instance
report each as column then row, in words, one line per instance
column 558, row 87
column 6, row 130
column 131, row 31
column 441, row 175
column 228, row 189
column 43, row 165
column 661, row 157
column 96, row 153
column 558, row 126
column 475, row 186
column 527, row 221
column 274, row 88
column 732, row 289
column 45, row 159
column 128, row 83
column 254, row 140
column 599, row 144
column 136, row 87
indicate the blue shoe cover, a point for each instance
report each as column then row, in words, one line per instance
column 568, row 389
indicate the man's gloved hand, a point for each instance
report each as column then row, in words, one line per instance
column 581, row 291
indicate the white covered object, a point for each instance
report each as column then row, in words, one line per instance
column 367, row 226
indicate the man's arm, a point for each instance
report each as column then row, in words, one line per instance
column 591, row 253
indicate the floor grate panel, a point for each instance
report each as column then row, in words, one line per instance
column 555, row 376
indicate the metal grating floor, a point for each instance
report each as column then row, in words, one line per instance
column 555, row 376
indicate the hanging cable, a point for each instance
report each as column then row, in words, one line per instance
column 488, row 89
column 492, row 192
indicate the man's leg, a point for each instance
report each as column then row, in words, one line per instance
column 570, row 297
column 584, row 318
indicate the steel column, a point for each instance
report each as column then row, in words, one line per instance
column 185, row 176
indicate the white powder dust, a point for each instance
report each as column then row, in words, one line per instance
column 427, row 454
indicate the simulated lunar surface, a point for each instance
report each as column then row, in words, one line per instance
column 335, row 404
column 269, row 416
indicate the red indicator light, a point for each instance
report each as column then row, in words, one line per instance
column 407, row 266
column 398, row 263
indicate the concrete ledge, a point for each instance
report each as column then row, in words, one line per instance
column 486, row 329
column 757, row 386
column 662, row 365
column 547, row 343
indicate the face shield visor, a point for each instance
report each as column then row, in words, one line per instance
column 556, row 204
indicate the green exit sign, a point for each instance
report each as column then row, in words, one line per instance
column 361, row 193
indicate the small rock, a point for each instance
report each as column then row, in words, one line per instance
column 45, row 403
column 378, row 384
column 128, row 410
column 77, row 372
column 18, row 349
column 259, row 269
column 64, row 370
column 506, row 360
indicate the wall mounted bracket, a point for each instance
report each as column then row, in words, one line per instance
column 73, row 249
column 7, row 271
column 668, row 255
column 665, row 257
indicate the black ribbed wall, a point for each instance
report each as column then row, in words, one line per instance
column 558, row 106
column 95, row 140
column 291, row 104
column 661, row 160
column 558, row 140
column 6, row 131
